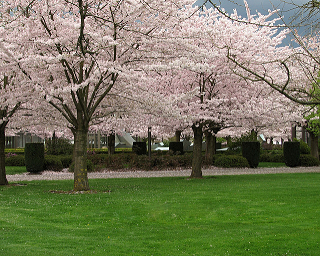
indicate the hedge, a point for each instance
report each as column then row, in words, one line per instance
column 308, row 160
column 231, row 161
column 291, row 152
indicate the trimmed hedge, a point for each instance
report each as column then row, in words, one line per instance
column 15, row 160
column 53, row 163
column 176, row 147
column 231, row 161
column 308, row 160
column 34, row 157
column 251, row 151
column 140, row 148
column 291, row 152
column 266, row 156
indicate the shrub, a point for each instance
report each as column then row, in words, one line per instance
column 229, row 161
column 304, row 148
column 251, row 151
column 66, row 160
column 58, row 146
column 275, row 157
column 53, row 163
column 34, row 157
column 14, row 160
column 176, row 147
column 308, row 160
column 291, row 152
column 140, row 148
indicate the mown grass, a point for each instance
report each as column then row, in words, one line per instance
column 11, row 170
column 275, row 214
column 271, row 164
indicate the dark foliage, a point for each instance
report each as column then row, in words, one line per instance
column 140, row 148
column 251, row 151
column 176, row 147
column 291, row 152
column 14, row 160
column 52, row 163
column 231, row 161
column 308, row 160
column 58, row 146
column 34, row 157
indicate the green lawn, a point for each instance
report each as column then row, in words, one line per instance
column 10, row 170
column 275, row 214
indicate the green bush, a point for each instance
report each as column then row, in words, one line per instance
column 14, row 160
column 34, row 157
column 251, row 151
column 58, row 146
column 52, row 163
column 271, row 156
column 231, row 161
column 66, row 160
column 308, row 160
column 304, row 148
column 291, row 152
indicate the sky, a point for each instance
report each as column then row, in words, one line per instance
column 261, row 6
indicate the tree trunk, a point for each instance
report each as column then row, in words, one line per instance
column 81, row 182
column 177, row 136
column 210, row 147
column 314, row 145
column 197, row 152
column 111, row 143
column 3, row 178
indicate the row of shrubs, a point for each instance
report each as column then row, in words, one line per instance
column 97, row 162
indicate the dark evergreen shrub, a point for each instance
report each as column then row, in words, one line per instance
column 52, row 163
column 66, row 160
column 34, row 157
column 291, row 152
column 231, row 161
column 176, row 147
column 59, row 146
column 251, row 151
column 308, row 160
column 140, row 148
column 15, row 160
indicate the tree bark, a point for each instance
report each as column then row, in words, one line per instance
column 314, row 145
column 111, row 143
column 81, row 182
column 210, row 147
column 3, row 178
column 197, row 152
column 177, row 136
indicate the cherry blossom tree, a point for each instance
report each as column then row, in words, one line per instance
column 83, row 55
column 14, row 93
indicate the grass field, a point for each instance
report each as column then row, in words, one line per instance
column 275, row 214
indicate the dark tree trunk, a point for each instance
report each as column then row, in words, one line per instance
column 3, row 178
column 81, row 182
column 314, row 145
column 111, row 143
column 197, row 152
column 293, row 132
column 177, row 136
column 210, row 147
